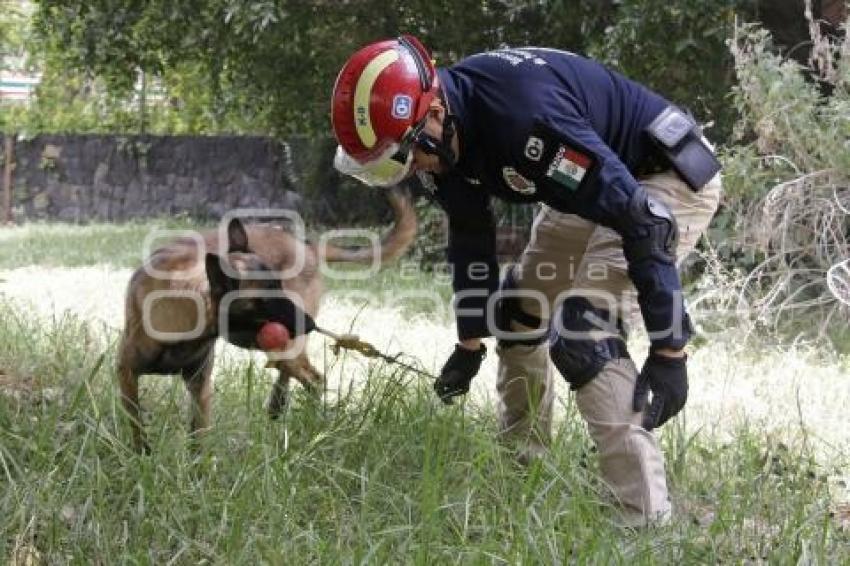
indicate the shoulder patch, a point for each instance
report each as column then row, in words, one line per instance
column 517, row 182
column 564, row 161
column 569, row 167
column 534, row 148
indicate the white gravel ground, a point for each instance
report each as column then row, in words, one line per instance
column 777, row 391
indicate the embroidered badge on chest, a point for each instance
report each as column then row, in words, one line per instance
column 569, row 167
column 517, row 182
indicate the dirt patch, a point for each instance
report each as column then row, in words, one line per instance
column 842, row 516
column 27, row 389
column 9, row 383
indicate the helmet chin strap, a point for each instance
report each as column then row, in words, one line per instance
column 445, row 151
column 443, row 148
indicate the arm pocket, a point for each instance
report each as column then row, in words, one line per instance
column 680, row 139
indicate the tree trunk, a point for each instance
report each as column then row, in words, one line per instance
column 8, row 167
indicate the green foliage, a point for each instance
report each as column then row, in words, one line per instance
column 12, row 24
column 267, row 66
column 787, row 126
column 272, row 62
column 678, row 49
column 788, row 187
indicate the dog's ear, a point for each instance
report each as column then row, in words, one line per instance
column 237, row 237
column 220, row 282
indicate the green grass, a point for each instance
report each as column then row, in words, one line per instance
column 121, row 246
column 381, row 474
column 378, row 474
column 72, row 245
column 419, row 288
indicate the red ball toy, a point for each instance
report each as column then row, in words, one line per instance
column 273, row 336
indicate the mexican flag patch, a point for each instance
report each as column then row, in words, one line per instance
column 569, row 167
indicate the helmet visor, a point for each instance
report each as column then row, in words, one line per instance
column 388, row 169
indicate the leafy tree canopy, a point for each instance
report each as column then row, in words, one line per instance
column 268, row 65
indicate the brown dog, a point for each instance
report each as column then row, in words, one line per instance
column 172, row 314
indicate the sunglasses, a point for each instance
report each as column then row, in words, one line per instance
column 415, row 137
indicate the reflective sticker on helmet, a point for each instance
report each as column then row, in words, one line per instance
column 363, row 94
column 402, row 106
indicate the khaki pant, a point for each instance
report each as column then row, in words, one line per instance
column 567, row 253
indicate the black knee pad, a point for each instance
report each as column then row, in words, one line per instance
column 577, row 355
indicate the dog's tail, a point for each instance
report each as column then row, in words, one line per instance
column 394, row 243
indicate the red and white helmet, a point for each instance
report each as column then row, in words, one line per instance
column 380, row 100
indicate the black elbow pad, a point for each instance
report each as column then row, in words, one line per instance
column 650, row 231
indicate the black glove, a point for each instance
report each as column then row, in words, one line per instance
column 668, row 379
column 457, row 373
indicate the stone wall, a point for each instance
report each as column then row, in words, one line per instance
column 83, row 178
column 79, row 178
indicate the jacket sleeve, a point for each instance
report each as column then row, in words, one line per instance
column 471, row 253
column 582, row 170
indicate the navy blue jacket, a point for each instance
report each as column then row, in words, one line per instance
column 542, row 125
